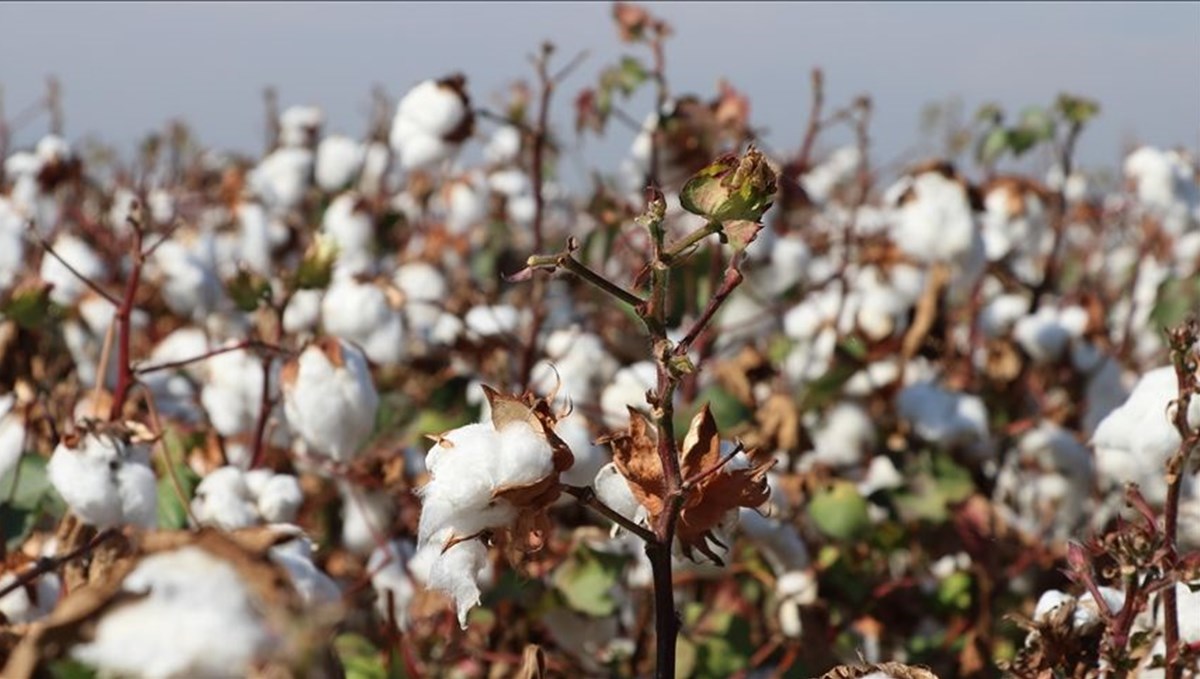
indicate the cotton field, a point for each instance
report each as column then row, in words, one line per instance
column 415, row 404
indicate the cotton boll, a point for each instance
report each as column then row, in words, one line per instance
column 613, row 490
column 934, row 224
column 493, row 320
column 190, row 286
column 589, row 457
column 1166, row 187
column 174, row 390
column 339, row 161
column 299, row 126
column 277, row 496
column 881, row 475
column 845, row 433
column 1042, row 335
column 575, row 368
column 390, row 576
column 424, row 289
column 12, row 245
column 281, row 178
column 253, row 245
column 329, row 398
column 348, row 222
column 820, row 182
column 1048, row 481
column 303, row 312
column 233, row 393
column 810, row 359
column 457, row 573
column 628, row 388
column 779, row 542
column 196, row 618
column 365, row 518
column 943, row 417
column 794, row 589
column 68, row 288
column 18, row 607
column 1105, row 389
column 361, row 312
column 503, row 146
column 1133, row 442
column 12, row 433
column 223, row 499
column 316, row 589
column 427, row 117
column 105, row 481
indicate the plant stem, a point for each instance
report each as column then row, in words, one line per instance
column 691, row 239
column 1183, row 341
column 126, row 377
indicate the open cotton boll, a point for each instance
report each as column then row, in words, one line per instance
column 252, row 248
column 793, row 590
column 628, row 388
column 223, row 500
column 12, row 245
column 105, row 480
column 18, row 607
column 277, row 496
column 613, row 490
column 424, row 288
column 944, row 417
column 575, row 368
column 188, row 271
column 316, row 589
column 840, row 166
column 194, row 617
column 843, row 436
column 68, row 288
column 174, row 390
column 492, row 320
column 779, row 542
column 1047, row 482
column 388, row 567
column 303, row 312
column 810, row 359
column 12, row 433
column 281, row 178
column 934, row 224
column 299, row 126
column 1166, row 186
column 349, row 223
column 364, row 517
column 1133, row 442
column 339, row 161
column 361, row 312
column 503, row 146
column 466, row 205
column 1045, row 334
column 589, row 457
column 232, row 394
column 430, row 120
column 329, row 398
column 1105, row 390
column 1001, row 313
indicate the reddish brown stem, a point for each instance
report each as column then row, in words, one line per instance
column 126, row 377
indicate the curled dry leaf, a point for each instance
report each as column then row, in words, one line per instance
column 711, row 489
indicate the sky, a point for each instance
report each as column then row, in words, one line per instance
column 128, row 68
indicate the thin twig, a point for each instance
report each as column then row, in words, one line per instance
column 47, row 564
column 587, row 497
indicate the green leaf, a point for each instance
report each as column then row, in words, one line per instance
column 360, row 659
column 172, row 510
column 32, row 482
column 686, row 656
column 586, row 581
column 30, row 309
column 954, row 592
column 1076, row 110
column 839, row 511
column 65, row 668
column 992, row 146
column 1038, row 122
column 630, row 75
column 247, row 289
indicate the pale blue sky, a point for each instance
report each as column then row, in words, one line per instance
column 127, row 68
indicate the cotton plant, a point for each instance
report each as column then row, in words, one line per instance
column 351, row 228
